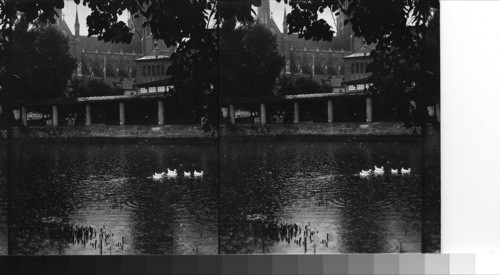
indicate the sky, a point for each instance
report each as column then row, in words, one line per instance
column 69, row 12
column 70, row 7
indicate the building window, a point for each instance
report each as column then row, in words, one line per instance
column 158, row 70
column 149, row 70
column 154, row 71
column 162, row 69
column 152, row 89
column 357, row 68
column 352, row 68
column 143, row 70
column 362, row 67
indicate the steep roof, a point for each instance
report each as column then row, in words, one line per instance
column 364, row 51
column 91, row 44
column 155, row 54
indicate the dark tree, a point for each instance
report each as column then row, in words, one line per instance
column 249, row 61
column 84, row 88
column 398, row 28
column 302, row 85
column 42, row 64
column 406, row 35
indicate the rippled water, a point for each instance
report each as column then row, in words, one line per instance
column 305, row 196
column 276, row 196
column 3, row 201
column 66, row 197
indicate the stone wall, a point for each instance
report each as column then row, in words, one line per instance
column 111, row 132
column 317, row 129
column 195, row 131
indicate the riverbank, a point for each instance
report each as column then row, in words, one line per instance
column 374, row 129
column 180, row 132
column 111, row 132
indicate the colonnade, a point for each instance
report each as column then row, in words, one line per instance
column 88, row 114
column 296, row 112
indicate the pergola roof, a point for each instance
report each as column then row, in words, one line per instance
column 91, row 99
column 264, row 99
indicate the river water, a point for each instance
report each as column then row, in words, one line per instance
column 68, row 197
column 275, row 196
column 306, row 196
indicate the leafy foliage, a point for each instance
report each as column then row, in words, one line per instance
column 303, row 85
column 406, row 35
column 84, row 88
column 404, row 62
column 250, row 61
column 42, row 64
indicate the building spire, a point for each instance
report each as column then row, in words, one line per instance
column 77, row 23
column 285, row 25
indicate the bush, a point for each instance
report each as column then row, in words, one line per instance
column 303, row 85
column 85, row 88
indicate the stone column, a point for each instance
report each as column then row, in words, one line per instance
column 231, row 114
column 369, row 115
column 295, row 112
column 330, row 111
column 161, row 113
column 438, row 112
column 24, row 116
column 55, row 116
column 263, row 113
column 122, row 113
column 88, row 115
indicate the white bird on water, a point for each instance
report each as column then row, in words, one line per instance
column 405, row 171
column 365, row 173
column 187, row 174
column 158, row 176
column 379, row 170
column 394, row 171
column 171, row 173
column 198, row 174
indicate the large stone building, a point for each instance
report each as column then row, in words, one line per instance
column 322, row 60
column 112, row 63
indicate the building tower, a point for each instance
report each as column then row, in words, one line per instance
column 285, row 24
column 78, row 46
column 77, row 24
column 264, row 12
column 286, row 40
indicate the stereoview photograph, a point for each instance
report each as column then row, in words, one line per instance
column 219, row 127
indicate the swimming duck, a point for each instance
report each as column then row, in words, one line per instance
column 364, row 173
column 171, row 173
column 198, row 174
column 377, row 169
column 405, row 171
column 394, row 171
column 187, row 174
column 379, row 172
column 158, row 176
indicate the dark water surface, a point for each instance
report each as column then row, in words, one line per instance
column 276, row 196
column 305, row 197
column 68, row 197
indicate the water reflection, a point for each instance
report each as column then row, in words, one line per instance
column 105, row 190
column 3, row 200
column 269, row 185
